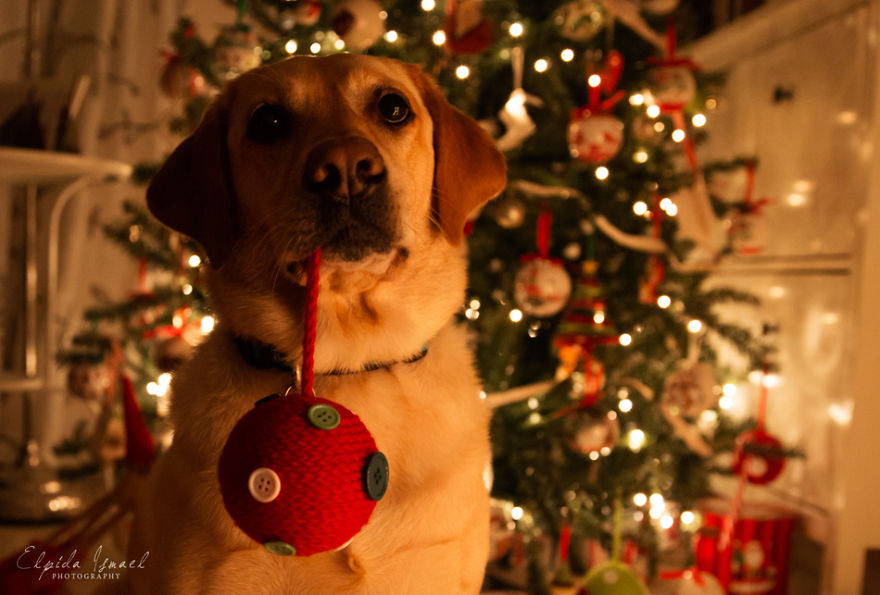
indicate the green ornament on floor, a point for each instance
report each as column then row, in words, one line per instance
column 613, row 578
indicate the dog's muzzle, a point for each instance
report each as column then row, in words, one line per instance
column 342, row 169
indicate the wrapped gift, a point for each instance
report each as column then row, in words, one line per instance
column 754, row 557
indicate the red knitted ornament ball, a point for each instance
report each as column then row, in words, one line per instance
column 760, row 469
column 301, row 475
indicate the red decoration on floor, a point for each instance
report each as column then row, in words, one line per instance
column 299, row 474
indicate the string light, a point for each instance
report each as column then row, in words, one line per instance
column 666, row 521
column 640, row 207
column 636, row 99
column 625, row 339
column 516, row 513
column 640, row 499
column 541, row 65
column 653, row 111
column 515, row 315
column 659, row 127
column 290, row 46
column 602, row 172
column 391, row 36
column 599, row 317
column 594, row 455
column 640, row 156
column 726, row 402
column 339, row 44
column 728, row 389
column 187, row 289
column 475, row 304
column 462, row 72
column 678, row 135
column 194, row 261
column 672, row 211
column 472, row 313
column 605, row 451
column 664, row 301
column 516, row 29
column 315, row 47
column 664, row 203
column 439, row 37
column 594, row 80
column 532, row 402
column 695, row 326
column 428, row 5
column 688, row 518
column 567, row 55
column 625, row 406
column 636, row 440
column 699, row 120
column 207, row 324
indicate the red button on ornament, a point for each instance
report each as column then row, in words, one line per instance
column 297, row 482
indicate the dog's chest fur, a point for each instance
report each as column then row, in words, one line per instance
column 429, row 534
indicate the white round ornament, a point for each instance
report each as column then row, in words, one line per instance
column 580, row 20
column 509, row 212
column 594, row 137
column 729, row 185
column 673, row 85
column 359, row 23
column 542, row 287
column 659, row 6
column 689, row 389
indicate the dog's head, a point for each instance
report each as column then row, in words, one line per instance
column 361, row 156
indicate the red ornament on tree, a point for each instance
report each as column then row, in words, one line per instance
column 594, row 134
column 760, row 468
column 467, row 30
column 299, row 474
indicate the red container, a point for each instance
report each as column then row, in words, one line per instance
column 756, row 557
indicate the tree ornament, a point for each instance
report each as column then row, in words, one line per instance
column 659, row 7
column 359, row 23
column 299, row 474
column 613, row 578
column 760, row 467
column 509, row 212
column 542, row 286
column 729, row 184
column 236, row 50
column 580, row 20
column 179, row 80
column 688, row 390
column 594, row 134
column 518, row 124
column 591, row 431
column 87, row 381
column 307, row 12
column 594, row 138
column 673, row 85
column 467, row 29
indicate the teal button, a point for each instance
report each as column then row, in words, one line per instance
column 324, row 416
column 279, row 548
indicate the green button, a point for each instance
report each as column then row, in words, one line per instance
column 376, row 473
column 324, row 416
column 279, row 548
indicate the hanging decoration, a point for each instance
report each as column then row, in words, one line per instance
column 518, row 126
column 758, row 453
column 307, row 12
column 508, row 211
column 656, row 270
column 749, row 227
column 316, row 494
column 359, row 23
column 614, row 577
column 236, row 50
column 592, row 431
column 595, row 135
column 580, row 20
column 467, row 29
column 542, row 286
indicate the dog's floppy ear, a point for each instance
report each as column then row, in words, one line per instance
column 468, row 169
column 192, row 193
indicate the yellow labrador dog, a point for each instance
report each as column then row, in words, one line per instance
column 364, row 157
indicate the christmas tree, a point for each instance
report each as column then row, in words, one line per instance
column 595, row 331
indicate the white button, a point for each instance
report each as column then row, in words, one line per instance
column 264, row 484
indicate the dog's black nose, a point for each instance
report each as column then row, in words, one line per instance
column 344, row 167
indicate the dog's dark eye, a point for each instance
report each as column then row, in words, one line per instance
column 393, row 108
column 268, row 124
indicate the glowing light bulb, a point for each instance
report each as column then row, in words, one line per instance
column 726, row 402
column 653, row 111
column 599, row 317
column 672, row 211
column 516, row 29
column 678, row 135
column 640, row 499
column 688, row 517
column 290, row 46
column 516, row 513
column 594, row 455
column 194, row 261
column 541, row 65
column 339, row 44
column 207, row 324
column 666, row 521
column 567, row 55
column 664, row 203
column 532, row 403
column 462, row 72
column 640, row 156
column 699, row 120
column 659, row 127
column 315, row 47
column 729, row 389
column 636, row 440
column 439, row 37
column 636, row 99
column 695, row 326
column 391, row 36
column 515, row 315
column 428, row 5
column 187, row 289
column 164, row 379
column 594, row 80
column 625, row 339
column 640, row 207
column 475, row 304
column 602, row 172
column 664, row 301
column 625, row 406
